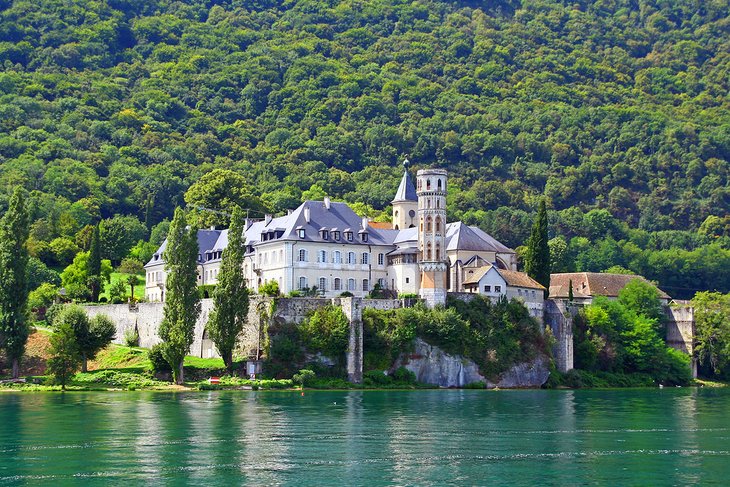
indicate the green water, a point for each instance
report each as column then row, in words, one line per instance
column 616, row 437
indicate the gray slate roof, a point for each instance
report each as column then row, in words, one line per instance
column 406, row 190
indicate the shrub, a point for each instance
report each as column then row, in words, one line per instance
column 377, row 377
column 404, row 375
column 131, row 338
column 304, row 378
column 327, row 331
column 118, row 292
column 475, row 385
column 157, row 359
column 346, row 294
column 206, row 291
column 270, row 288
column 52, row 313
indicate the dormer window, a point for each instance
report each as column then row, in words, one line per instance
column 348, row 236
column 301, row 233
column 364, row 236
column 325, row 235
column 335, row 235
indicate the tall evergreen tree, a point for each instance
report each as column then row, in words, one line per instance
column 14, row 229
column 537, row 261
column 182, row 303
column 94, row 265
column 230, row 296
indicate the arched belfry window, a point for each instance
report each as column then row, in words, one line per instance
column 428, row 251
column 428, row 184
column 438, row 224
column 428, row 224
column 438, row 252
column 439, row 184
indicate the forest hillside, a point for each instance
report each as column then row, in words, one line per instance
column 617, row 111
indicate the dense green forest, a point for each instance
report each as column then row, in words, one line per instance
column 616, row 111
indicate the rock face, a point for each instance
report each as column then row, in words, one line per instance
column 434, row 366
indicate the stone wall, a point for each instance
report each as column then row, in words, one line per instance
column 147, row 317
column 680, row 329
column 559, row 317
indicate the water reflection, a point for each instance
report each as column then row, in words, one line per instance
column 366, row 438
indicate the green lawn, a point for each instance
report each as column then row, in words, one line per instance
column 119, row 276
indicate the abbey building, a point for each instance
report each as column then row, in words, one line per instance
column 324, row 244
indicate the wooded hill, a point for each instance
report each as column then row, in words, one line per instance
column 616, row 110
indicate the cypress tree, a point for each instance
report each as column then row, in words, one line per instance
column 94, row 265
column 14, row 230
column 230, row 296
column 182, row 303
column 537, row 261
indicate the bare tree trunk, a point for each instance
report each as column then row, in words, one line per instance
column 16, row 368
column 228, row 361
column 83, row 363
column 180, row 377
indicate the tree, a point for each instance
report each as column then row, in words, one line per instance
column 94, row 265
column 132, row 280
column 182, row 303
column 221, row 190
column 13, row 280
column 75, row 277
column 712, row 318
column 91, row 336
column 117, row 235
column 537, row 261
column 65, row 355
column 642, row 298
column 230, row 296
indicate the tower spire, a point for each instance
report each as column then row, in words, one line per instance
column 405, row 202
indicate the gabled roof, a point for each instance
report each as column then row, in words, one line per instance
column 511, row 278
column 519, row 279
column 406, row 189
column 207, row 240
column 477, row 275
column 338, row 215
column 587, row 284
column 460, row 236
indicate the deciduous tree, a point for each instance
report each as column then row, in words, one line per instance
column 13, row 282
column 230, row 296
column 182, row 303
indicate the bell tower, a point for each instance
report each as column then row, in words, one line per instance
column 431, row 191
column 405, row 203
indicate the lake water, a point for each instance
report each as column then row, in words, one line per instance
column 439, row 437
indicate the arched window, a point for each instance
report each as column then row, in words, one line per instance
column 351, row 258
column 365, row 258
column 428, row 203
column 438, row 252
column 428, row 184
column 337, row 284
column 322, row 256
column 438, row 224
column 439, row 184
column 302, row 255
column 351, row 284
column 365, row 285
column 438, row 203
column 302, row 282
column 428, row 224
column 322, row 284
column 428, row 251
column 337, row 257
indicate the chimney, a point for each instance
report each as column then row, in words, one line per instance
column 247, row 223
column 212, row 227
column 267, row 219
column 365, row 223
column 327, row 202
column 307, row 213
column 288, row 212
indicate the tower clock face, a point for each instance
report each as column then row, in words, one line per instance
column 412, row 213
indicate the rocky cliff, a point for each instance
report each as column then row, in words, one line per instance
column 434, row 366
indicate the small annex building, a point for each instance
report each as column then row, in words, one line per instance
column 492, row 282
column 588, row 285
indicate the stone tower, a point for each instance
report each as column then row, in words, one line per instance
column 431, row 190
column 405, row 203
